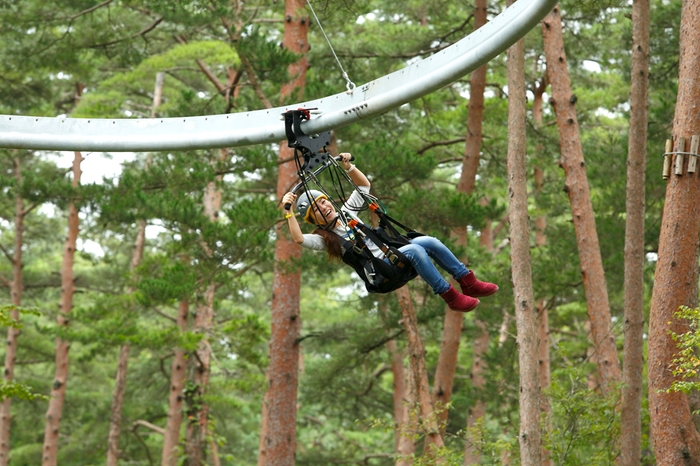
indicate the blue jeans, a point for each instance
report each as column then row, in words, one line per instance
column 419, row 253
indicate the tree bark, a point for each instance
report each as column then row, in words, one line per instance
column 404, row 444
column 525, row 312
column 416, row 354
column 176, row 397
column 466, row 184
column 198, row 428
column 278, row 438
column 115, row 417
column 58, row 391
column 123, row 361
column 545, row 373
column 279, row 445
column 633, row 353
column 13, row 333
column 675, row 438
column 542, row 311
column 475, row 113
column 196, row 434
column 478, row 411
column 578, row 190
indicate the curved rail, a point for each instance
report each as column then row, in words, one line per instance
column 264, row 126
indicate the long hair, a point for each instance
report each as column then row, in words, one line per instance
column 334, row 247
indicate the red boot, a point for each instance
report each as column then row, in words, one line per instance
column 457, row 301
column 473, row 287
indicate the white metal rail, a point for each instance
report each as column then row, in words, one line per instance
column 264, row 126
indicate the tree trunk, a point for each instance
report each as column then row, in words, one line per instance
column 545, row 374
column 123, row 364
column 407, row 447
column 416, row 353
column 197, row 430
column 675, row 438
column 525, row 313
column 58, row 390
column 198, row 421
column 475, row 113
column 123, row 361
column 466, row 184
column 12, row 333
column 542, row 311
column 176, row 397
column 404, row 444
column 578, row 190
column 633, row 356
column 478, row 411
column 278, row 442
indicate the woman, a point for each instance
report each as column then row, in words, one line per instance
column 314, row 207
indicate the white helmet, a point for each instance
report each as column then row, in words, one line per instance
column 306, row 200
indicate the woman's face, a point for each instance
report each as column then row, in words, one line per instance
column 322, row 212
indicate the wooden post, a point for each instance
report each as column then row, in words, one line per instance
column 678, row 170
column 693, row 162
column 667, row 159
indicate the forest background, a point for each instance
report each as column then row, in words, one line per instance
column 175, row 257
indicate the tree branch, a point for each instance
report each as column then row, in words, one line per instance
column 253, row 78
column 5, row 282
column 440, row 143
column 30, row 208
column 141, row 33
column 148, row 425
column 89, row 10
column 182, row 40
column 7, row 254
column 163, row 314
column 382, row 342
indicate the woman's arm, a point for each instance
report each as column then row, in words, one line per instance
column 353, row 172
column 294, row 228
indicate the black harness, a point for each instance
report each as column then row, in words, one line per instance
column 379, row 275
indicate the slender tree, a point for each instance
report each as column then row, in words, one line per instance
column 594, row 283
column 58, row 389
column 278, row 446
column 416, row 354
column 674, row 435
column 178, row 377
column 197, row 429
column 633, row 356
column 16, row 289
column 123, row 360
column 466, row 184
column 403, row 443
column 541, row 305
column 525, row 313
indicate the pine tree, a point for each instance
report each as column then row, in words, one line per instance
column 674, row 434
column 633, row 355
column 525, row 314
column 578, row 189
column 58, row 391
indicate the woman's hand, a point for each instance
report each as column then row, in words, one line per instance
column 345, row 160
column 288, row 200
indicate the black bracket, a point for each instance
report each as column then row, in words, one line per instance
column 312, row 147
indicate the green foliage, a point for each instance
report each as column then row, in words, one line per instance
column 6, row 315
column 585, row 424
column 686, row 363
column 19, row 392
